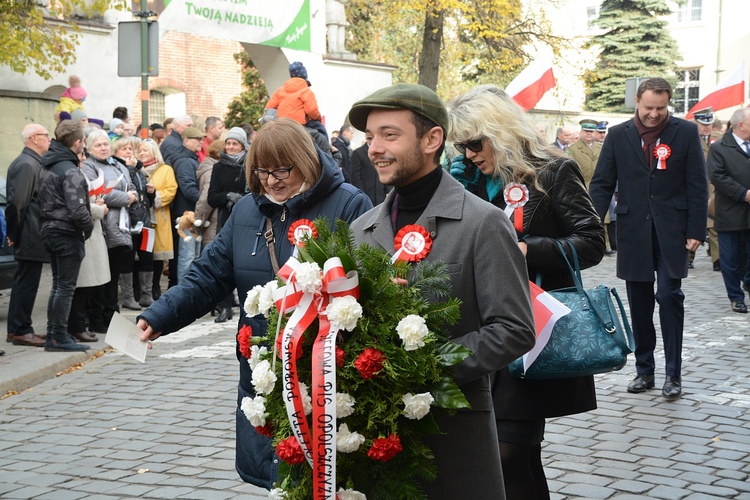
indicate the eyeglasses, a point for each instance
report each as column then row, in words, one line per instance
column 279, row 174
column 475, row 146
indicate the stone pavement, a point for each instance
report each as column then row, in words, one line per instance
column 116, row 428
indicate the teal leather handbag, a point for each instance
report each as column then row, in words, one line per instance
column 590, row 339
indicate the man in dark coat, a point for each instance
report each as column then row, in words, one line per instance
column 657, row 164
column 66, row 224
column 174, row 140
column 729, row 172
column 24, row 221
column 406, row 126
column 342, row 143
column 364, row 175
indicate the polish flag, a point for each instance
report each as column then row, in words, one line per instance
column 96, row 187
column 147, row 239
column 729, row 92
column 111, row 185
column 532, row 83
column 547, row 310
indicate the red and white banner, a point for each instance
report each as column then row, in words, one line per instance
column 532, row 83
column 729, row 92
column 147, row 239
column 547, row 310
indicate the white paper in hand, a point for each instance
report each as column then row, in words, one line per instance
column 125, row 337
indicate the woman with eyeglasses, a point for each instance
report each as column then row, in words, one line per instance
column 289, row 180
column 504, row 161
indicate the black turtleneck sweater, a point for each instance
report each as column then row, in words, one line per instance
column 413, row 198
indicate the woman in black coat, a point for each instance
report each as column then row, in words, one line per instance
column 503, row 159
column 226, row 188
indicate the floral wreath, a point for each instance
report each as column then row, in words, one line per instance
column 351, row 370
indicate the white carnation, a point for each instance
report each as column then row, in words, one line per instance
column 251, row 302
column 306, row 399
column 417, row 405
column 412, row 330
column 348, row 442
column 265, row 299
column 343, row 494
column 344, row 312
column 256, row 353
column 277, row 494
column 344, row 405
column 254, row 410
column 263, row 377
column 309, row 277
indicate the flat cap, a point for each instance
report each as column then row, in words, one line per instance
column 588, row 124
column 704, row 116
column 602, row 126
column 417, row 98
column 192, row 133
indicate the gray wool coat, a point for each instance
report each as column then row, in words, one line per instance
column 488, row 273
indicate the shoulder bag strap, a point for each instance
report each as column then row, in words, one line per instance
column 271, row 242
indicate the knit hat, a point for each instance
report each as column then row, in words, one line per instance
column 588, row 124
column 238, row 135
column 77, row 93
column 114, row 122
column 417, row 98
column 77, row 115
column 297, row 70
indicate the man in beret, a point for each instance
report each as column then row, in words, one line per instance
column 705, row 120
column 586, row 151
column 406, row 127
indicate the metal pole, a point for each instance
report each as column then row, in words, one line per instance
column 718, row 43
column 144, row 15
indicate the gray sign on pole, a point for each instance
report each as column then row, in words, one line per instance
column 129, row 48
column 631, row 89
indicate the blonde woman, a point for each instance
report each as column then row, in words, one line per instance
column 161, row 177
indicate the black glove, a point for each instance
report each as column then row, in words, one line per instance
column 233, row 197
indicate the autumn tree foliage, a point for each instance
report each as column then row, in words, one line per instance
column 449, row 45
column 635, row 43
column 42, row 37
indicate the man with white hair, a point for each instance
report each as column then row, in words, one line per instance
column 728, row 171
column 563, row 138
column 24, row 221
column 174, row 140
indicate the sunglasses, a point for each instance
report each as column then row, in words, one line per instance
column 279, row 173
column 475, row 146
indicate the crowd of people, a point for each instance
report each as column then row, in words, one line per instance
column 111, row 224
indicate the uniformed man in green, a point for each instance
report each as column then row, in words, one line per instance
column 705, row 119
column 586, row 150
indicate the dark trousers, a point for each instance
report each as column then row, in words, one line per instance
column 23, row 296
column 83, row 300
column 66, row 253
column 734, row 268
column 671, row 317
column 111, row 289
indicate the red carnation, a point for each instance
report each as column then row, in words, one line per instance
column 340, row 357
column 243, row 337
column 290, row 451
column 369, row 363
column 384, row 449
column 265, row 430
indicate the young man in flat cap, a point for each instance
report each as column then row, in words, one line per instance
column 586, row 151
column 406, row 127
column 705, row 120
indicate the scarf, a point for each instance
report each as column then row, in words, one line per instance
column 150, row 167
column 649, row 136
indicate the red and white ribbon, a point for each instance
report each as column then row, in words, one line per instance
column 318, row 445
column 412, row 244
column 516, row 195
column 662, row 152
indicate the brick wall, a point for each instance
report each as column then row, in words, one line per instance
column 203, row 68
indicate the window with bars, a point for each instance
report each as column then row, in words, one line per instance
column 687, row 90
column 690, row 11
column 156, row 107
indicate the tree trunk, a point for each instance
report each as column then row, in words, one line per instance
column 432, row 43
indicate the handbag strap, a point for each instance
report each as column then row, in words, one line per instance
column 271, row 242
column 575, row 272
column 630, row 340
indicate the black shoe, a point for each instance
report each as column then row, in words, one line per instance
column 747, row 289
column 85, row 337
column 610, row 252
column 717, row 266
column 641, row 383
column 672, row 389
column 739, row 307
column 66, row 344
column 691, row 265
column 224, row 315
